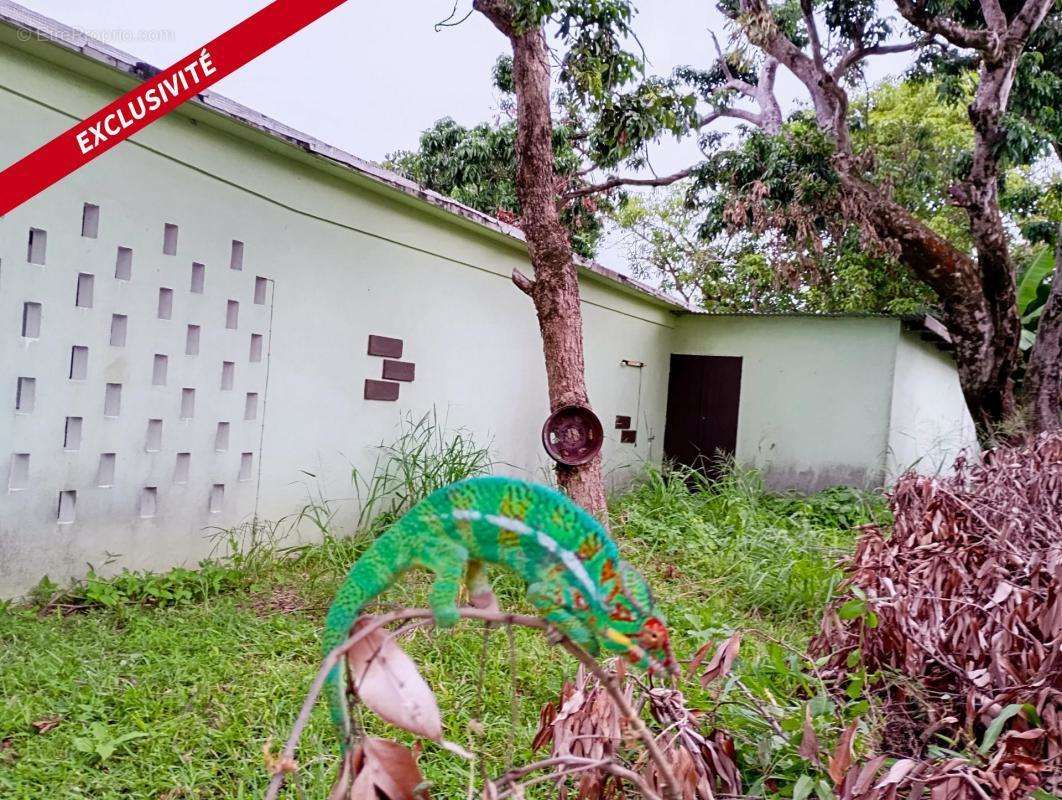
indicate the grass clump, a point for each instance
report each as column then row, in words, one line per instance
column 175, row 700
column 746, row 553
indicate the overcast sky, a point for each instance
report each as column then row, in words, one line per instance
column 370, row 76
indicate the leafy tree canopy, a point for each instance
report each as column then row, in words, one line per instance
column 476, row 166
column 759, row 226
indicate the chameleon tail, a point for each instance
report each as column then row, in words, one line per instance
column 387, row 557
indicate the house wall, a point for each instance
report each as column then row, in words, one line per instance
column 815, row 393
column 341, row 259
column 329, row 258
column 930, row 424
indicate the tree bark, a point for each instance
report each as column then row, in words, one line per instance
column 978, row 195
column 984, row 367
column 555, row 288
column 1043, row 380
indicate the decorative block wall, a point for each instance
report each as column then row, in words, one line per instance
column 134, row 392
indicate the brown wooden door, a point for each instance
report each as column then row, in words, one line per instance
column 703, row 395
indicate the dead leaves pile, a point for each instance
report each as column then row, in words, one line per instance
column 586, row 724
column 960, row 611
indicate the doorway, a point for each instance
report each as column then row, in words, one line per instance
column 703, row 396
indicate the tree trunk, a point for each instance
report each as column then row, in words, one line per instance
column 555, row 288
column 984, row 365
column 978, row 195
column 1043, row 380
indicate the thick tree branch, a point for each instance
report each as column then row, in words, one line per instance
column 1043, row 381
column 992, row 11
column 857, row 54
column 828, row 98
column 499, row 12
column 733, row 113
column 614, row 182
column 1027, row 20
column 523, row 283
column 957, row 34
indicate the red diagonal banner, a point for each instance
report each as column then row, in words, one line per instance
column 156, row 97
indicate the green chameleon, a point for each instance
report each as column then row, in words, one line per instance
column 575, row 576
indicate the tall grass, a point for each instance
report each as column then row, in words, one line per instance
column 779, row 549
column 425, row 456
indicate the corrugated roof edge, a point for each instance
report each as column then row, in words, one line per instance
column 54, row 32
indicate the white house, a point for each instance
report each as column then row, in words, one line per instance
column 222, row 304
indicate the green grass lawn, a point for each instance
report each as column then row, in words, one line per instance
column 136, row 700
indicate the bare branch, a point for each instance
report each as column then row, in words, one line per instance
column 614, row 182
column 813, row 33
column 732, row 113
column 732, row 81
column 571, row 764
column 857, row 54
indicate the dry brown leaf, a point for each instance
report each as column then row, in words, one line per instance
column 841, row 759
column 699, row 656
column 389, row 683
column 897, row 772
column 382, row 770
column 722, row 660
column 809, row 741
column 544, row 734
column 46, row 724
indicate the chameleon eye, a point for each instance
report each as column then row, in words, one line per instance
column 649, row 639
column 653, row 635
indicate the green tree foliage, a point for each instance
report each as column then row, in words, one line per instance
column 759, row 226
column 918, row 143
column 476, row 166
column 741, row 272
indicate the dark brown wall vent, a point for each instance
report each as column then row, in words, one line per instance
column 380, row 390
column 398, row 370
column 384, row 346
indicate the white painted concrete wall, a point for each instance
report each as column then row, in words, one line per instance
column 929, row 423
column 815, row 393
column 342, row 261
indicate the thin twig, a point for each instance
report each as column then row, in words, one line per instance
column 375, row 623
